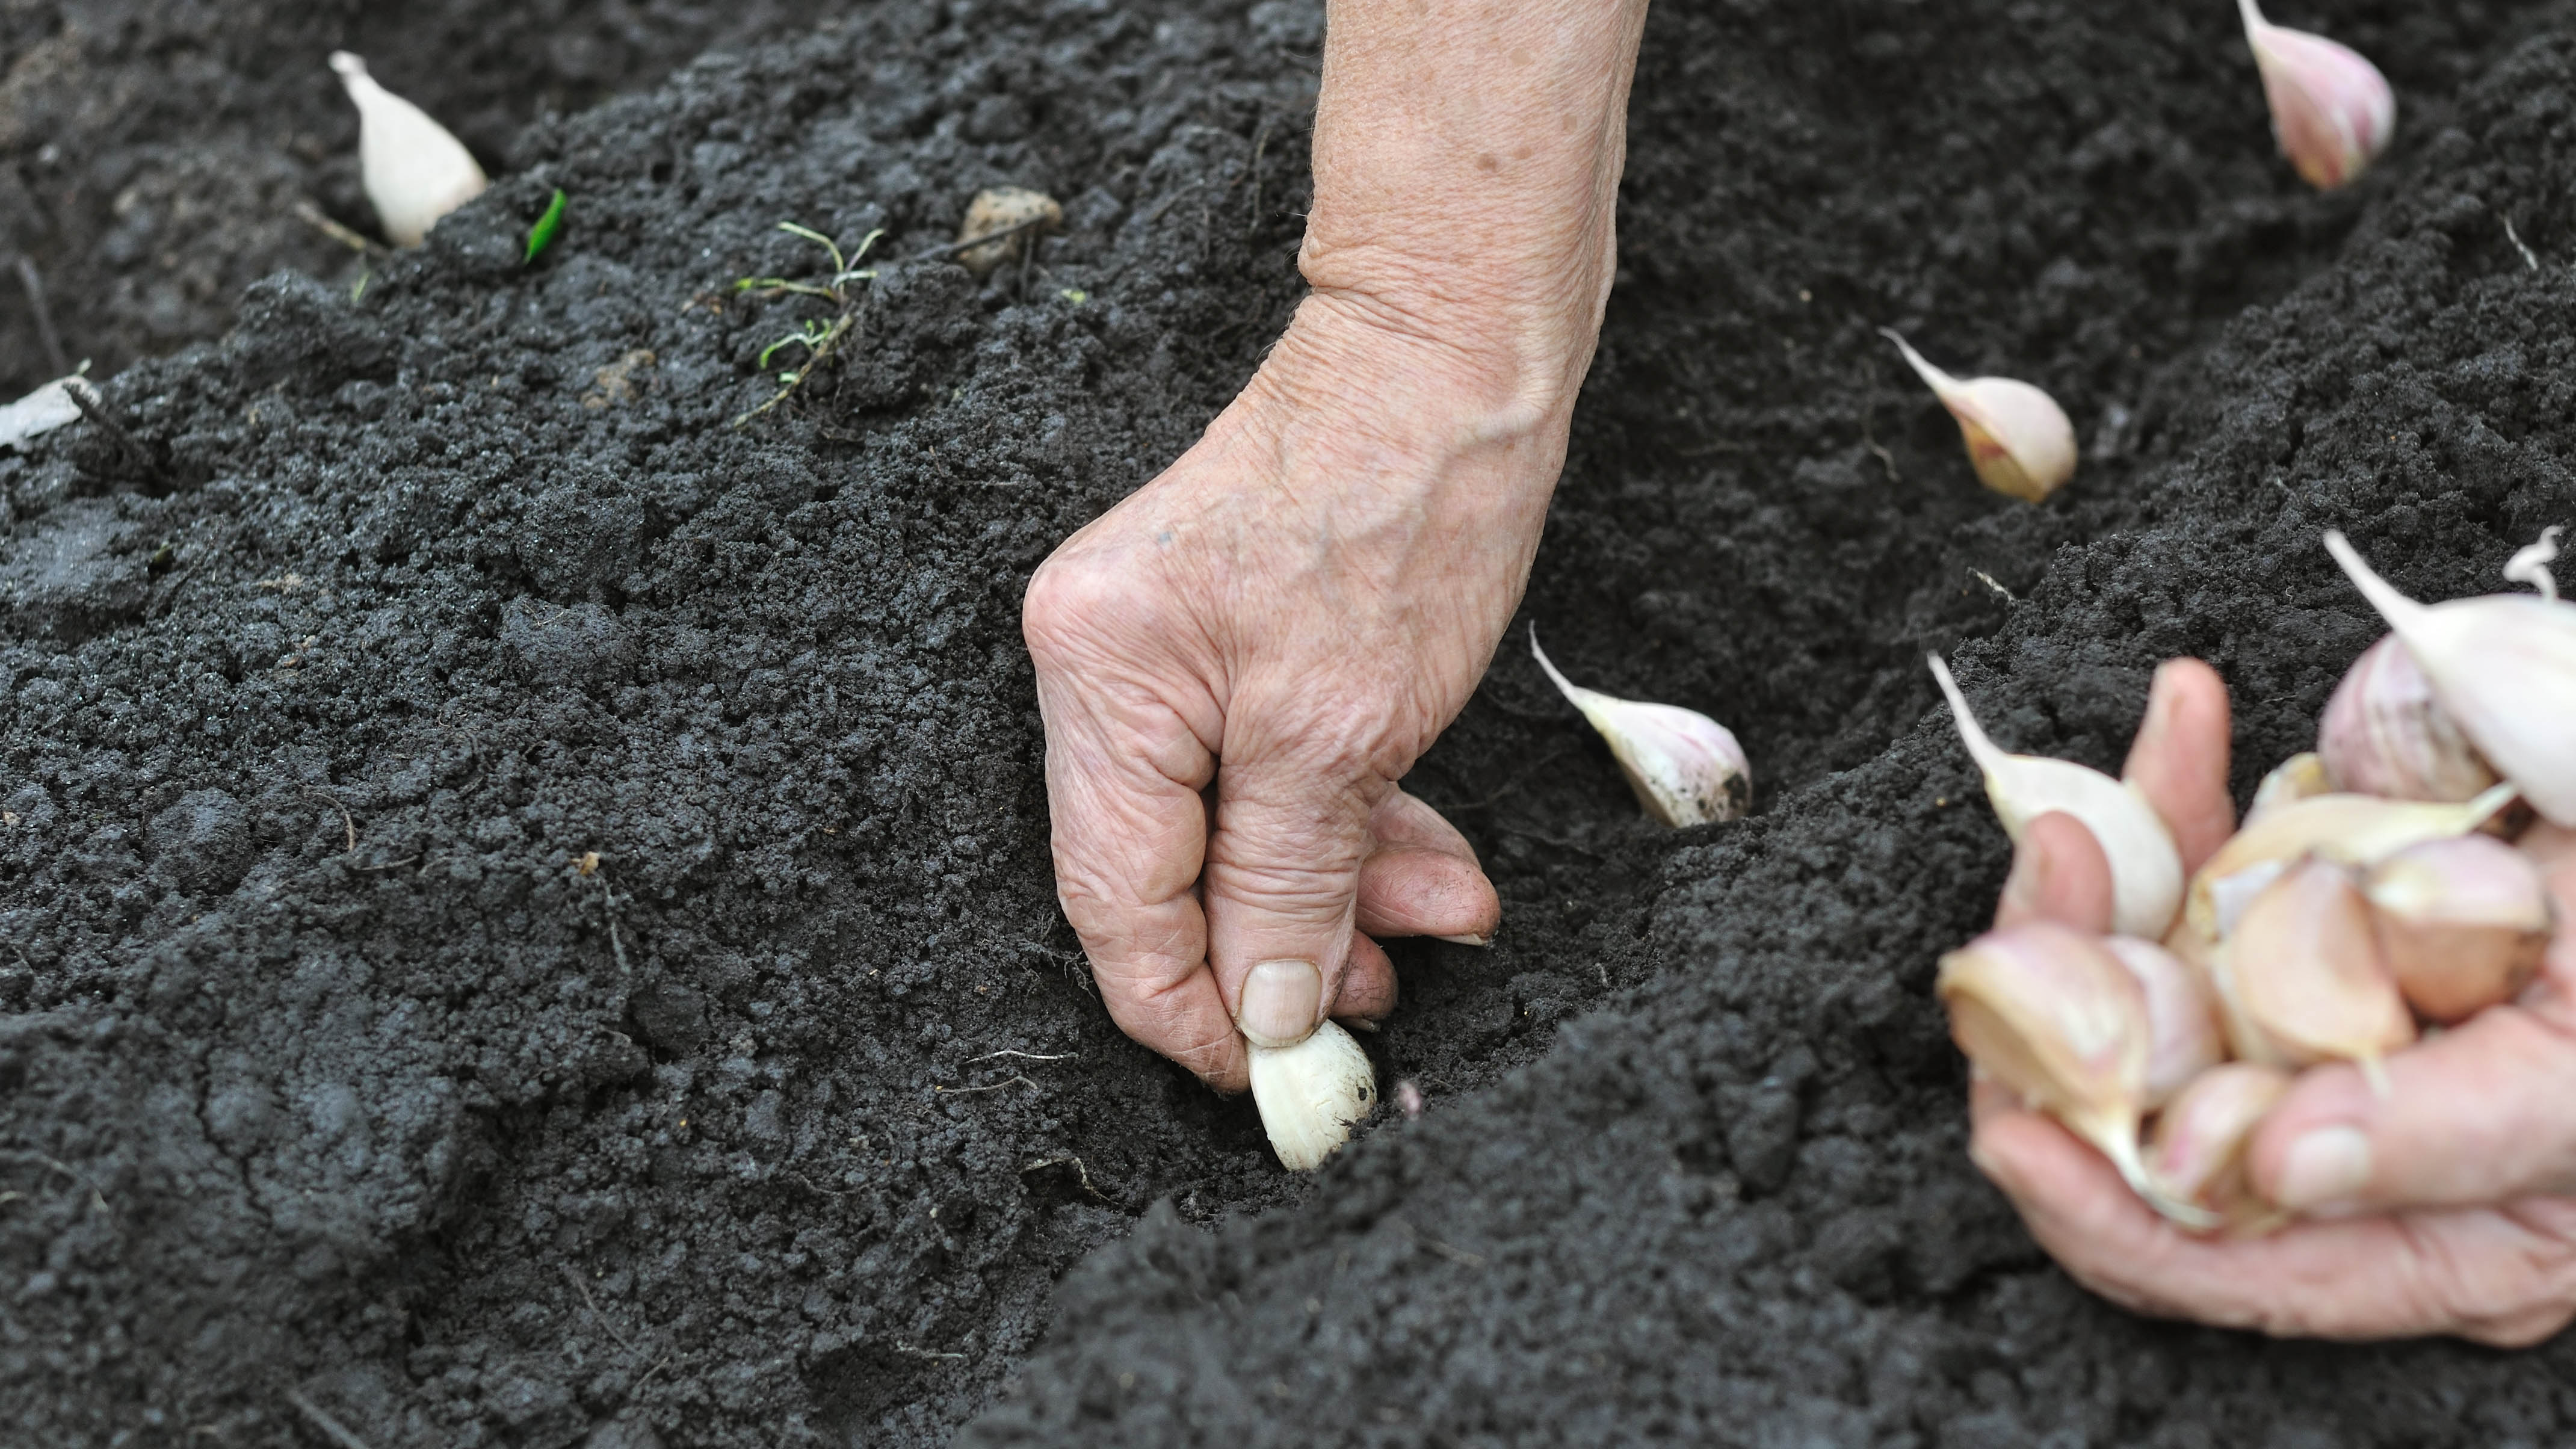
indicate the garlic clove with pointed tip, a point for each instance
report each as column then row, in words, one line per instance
column 413, row 169
column 2503, row 667
column 2146, row 869
column 2464, row 923
column 1310, row 1094
column 2019, row 440
column 2332, row 110
column 2384, row 734
column 2183, row 1038
column 1686, row 768
column 2197, row 1151
column 2300, row 777
column 2301, row 979
column 2052, row 1015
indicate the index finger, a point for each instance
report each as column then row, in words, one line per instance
column 2179, row 758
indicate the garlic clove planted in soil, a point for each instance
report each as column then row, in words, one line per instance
column 2384, row 734
column 2019, row 440
column 2504, row 668
column 2332, row 110
column 2464, row 923
column 1686, row 768
column 2051, row 1014
column 414, row 171
column 2197, row 1151
column 2183, row 1038
column 2301, row 979
column 2146, row 869
column 2300, row 777
column 1310, row 1094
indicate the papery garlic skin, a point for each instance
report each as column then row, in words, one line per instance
column 2300, row 777
column 2464, row 923
column 2019, row 440
column 2183, row 1038
column 2146, row 869
column 1310, row 1094
column 999, row 209
column 2353, row 830
column 2332, row 110
column 2052, row 1015
column 2301, row 979
column 414, row 171
column 2197, row 1151
column 2504, row 668
column 2383, row 733
column 1686, row 768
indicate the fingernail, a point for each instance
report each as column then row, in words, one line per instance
column 1465, row 940
column 2026, row 889
column 2324, row 1167
column 1279, row 1003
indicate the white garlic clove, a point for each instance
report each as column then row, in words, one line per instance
column 1001, row 209
column 2464, row 923
column 2183, row 1039
column 2019, row 440
column 2300, row 777
column 2197, row 1152
column 2353, row 830
column 2504, row 667
column 2332, row 111
column 2052, row 1015
column 2384, row 734
column 1310, row 1094
column 414, row 171
column 1686, row 768
column 2301, row 979
column 2146, row 869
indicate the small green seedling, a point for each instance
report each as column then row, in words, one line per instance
column 820, row 338
column 542, row 235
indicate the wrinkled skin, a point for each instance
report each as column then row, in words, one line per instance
column 2446, row 1207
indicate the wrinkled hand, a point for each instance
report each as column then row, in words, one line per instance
column 1239, row 662
column 2449, row 1206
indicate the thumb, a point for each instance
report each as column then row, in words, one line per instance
column 1282, row 892
column 2474, row 1117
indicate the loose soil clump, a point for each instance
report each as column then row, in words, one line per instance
column 528, row 906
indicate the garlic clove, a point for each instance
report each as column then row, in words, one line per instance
column 2504, row 668
column 2463, row 922
column 2019, row 440
column 2354, row 830
column 39, row 412
column 2301, row 979
column 2384, row 734
column 2197, row 1151
column 414, row 171
column 1000, row 209
column 1686, row 768
column 2054, row 1016
column 2300, row 777
column 2183, row 1038
column 1310, row 1094
column 2332, row 110
column 2146, row 869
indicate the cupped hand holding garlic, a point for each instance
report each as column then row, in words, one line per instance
column 2444, row 1202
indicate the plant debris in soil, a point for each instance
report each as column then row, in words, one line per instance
column 527, row 908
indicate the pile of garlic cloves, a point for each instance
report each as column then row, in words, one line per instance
column 2394, row 882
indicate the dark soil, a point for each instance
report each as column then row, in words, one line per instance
column 778, row 1124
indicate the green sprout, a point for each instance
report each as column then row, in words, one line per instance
column 820, row 338
column 542, row 235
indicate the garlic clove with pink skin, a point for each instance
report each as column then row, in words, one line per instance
column 1686, row 768
column 2354, row 830
column 2052, row 1015
column 2464, row 923
column 2197, row 1151
column 413, row 169
column 2332, row 110
column 2183, row 1039
column 2383, row 733
column 2146, row 869
column 2503, row 667
column 2019, row 440
column 2300, row 777
column 2302, row 980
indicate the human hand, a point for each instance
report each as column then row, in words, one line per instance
column 2447, row 1206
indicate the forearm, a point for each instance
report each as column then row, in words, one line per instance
column 1467, row 158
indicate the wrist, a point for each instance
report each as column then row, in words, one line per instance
column 1447, row 374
